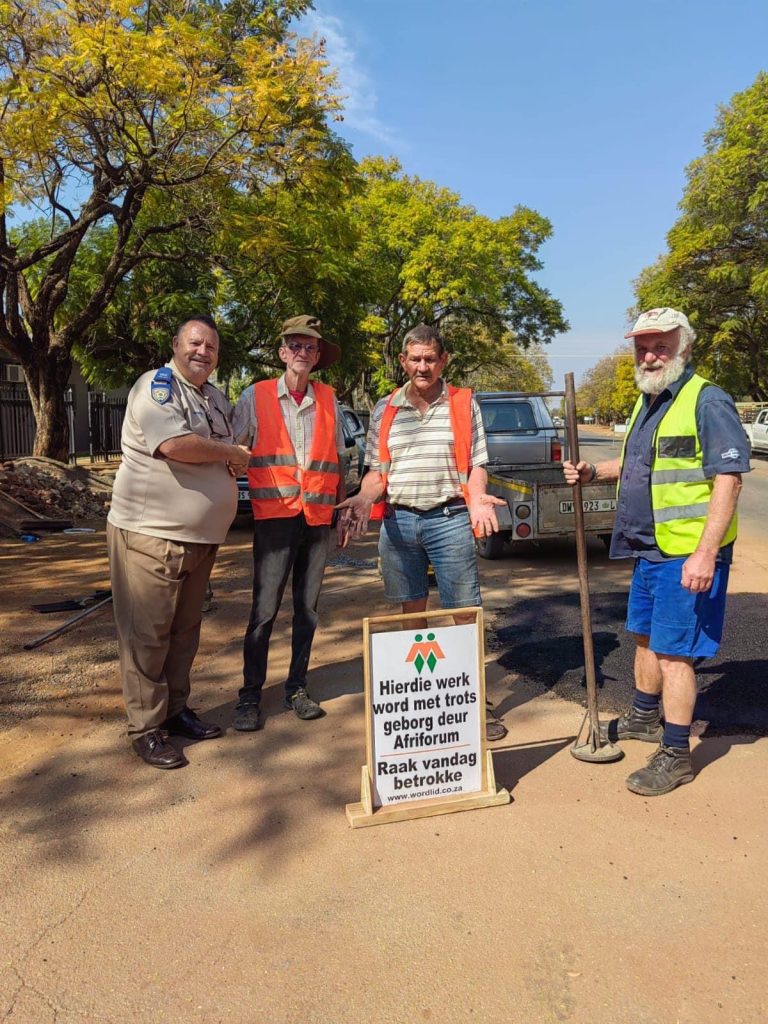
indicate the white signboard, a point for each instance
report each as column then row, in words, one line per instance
column 427, row 714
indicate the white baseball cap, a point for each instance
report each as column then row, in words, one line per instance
column 658, row 321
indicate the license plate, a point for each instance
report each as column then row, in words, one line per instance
column 593, row 505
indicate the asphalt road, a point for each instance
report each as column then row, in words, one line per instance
column 732, row 686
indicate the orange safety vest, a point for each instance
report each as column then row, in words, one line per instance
column 460, row 411
column 279, row 488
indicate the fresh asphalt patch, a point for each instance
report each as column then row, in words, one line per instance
column 540, row 640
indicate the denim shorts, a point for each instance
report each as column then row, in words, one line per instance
column 676, row 621
column 409, row 541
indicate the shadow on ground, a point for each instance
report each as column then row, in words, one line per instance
column 512, row 763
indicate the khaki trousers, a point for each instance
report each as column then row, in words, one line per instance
column 158, row 588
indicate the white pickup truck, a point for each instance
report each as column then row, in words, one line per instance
column 757, row 431
column 525, row 469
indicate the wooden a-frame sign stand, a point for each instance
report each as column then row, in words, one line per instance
column 366, row 812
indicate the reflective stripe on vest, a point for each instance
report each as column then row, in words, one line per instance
column 680, row 492
column 271, row 460
column 324, row 467
column 278, row 487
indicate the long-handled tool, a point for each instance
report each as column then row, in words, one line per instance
column 73, row 604
column 66, row 625
column 595, row 747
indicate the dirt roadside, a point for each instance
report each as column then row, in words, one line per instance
column 234, row 891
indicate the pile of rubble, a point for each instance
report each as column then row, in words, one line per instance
column 55, row 490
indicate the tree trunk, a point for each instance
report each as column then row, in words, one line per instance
column 389, row 350
column 47, row 384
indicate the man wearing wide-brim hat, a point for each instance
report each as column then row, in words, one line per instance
column 293, row 427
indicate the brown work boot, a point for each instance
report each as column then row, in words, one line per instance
column 634, row 724
column 667, row 768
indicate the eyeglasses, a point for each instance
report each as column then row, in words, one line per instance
column 220, row 428
column 297, row 346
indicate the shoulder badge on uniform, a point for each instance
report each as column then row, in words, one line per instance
column 160, row 386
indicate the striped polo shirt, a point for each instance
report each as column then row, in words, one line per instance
column 423, row 471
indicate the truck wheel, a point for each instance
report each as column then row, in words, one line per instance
column 490, row 547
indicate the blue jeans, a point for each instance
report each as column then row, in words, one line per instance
column 279, row 546
column 676, row 621
column 409, row 541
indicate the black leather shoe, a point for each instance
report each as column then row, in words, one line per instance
column 187, row 724
column 154, row 748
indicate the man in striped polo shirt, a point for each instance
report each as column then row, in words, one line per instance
column 426, row 454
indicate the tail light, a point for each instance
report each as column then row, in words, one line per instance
column 557, row 451
column 523, row 530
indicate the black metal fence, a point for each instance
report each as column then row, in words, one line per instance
column 105, row 424
column 17, row 423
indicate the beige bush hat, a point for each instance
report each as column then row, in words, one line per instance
column 310, row 327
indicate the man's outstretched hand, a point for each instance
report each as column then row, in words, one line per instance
column 482, row 514
column 352, row 518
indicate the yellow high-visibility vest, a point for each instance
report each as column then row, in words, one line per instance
column 680, row 492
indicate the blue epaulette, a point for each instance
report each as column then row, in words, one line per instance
column 160, row 385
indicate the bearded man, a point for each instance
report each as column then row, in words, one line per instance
column 679, row 477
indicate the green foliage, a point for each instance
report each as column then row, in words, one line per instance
column 128, row 125
column 715, row 266
column 292, row 250
column 427, row 257
column 182, row 162
column 504, row 365
column 608, row 390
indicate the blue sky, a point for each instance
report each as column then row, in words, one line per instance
column 585, row 110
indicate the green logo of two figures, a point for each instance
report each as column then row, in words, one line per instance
column 425, row 652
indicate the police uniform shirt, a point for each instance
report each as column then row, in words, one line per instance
column 724, row 449
column 181, row 501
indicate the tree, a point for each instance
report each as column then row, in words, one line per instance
column 107, row 107
column 427, row 257
column 351, row 246
column 506, row 367
column 716, row 266
column 608, row 390
column 135, row 331
column 292, row 250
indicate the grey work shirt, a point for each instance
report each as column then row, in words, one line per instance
column 180, row 501
column 725, row 449
column 299, row 420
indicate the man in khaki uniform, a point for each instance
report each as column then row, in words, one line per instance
column 173, row 502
